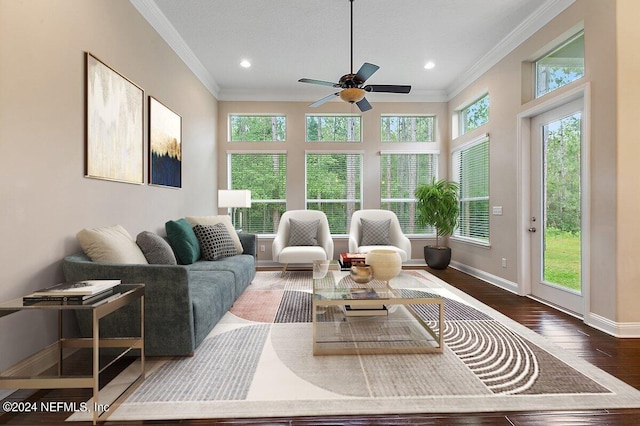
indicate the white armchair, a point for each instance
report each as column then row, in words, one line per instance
column 303, row 236
column 377, row 235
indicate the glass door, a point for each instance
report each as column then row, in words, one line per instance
column 556, row 216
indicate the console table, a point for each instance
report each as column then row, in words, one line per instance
column 122, row 295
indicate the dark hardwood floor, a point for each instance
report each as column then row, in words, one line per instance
column 619, row 357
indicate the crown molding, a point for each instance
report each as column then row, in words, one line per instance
column 542, row 16
column 152, row 13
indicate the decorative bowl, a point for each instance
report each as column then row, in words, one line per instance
column 361, row 274
column 386, row 264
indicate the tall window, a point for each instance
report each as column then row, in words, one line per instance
column 334, row 128
column 475, row 115
column 471, row 171
column 401, row 174
column 560, row 67
column 265, row 175
column 334, row 186
column 257, row 128
column 407, row 128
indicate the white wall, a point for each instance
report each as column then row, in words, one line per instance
column 44, row 197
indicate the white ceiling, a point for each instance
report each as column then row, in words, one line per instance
column 286, row 40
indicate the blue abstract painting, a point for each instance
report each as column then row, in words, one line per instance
column 165, row 145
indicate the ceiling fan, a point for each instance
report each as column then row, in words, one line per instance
column 351, row 84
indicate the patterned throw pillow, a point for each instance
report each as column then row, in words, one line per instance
column 156, row 249
column 303, row 233
column 215, row 241
column 375, row 232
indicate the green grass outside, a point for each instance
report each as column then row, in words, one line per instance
column 562, row 259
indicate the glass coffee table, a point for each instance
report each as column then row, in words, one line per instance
column 372, row 318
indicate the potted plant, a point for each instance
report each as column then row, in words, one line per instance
column 437, row 205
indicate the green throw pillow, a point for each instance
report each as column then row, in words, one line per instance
column 183, row 240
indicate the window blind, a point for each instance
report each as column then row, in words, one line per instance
column 400, row 175
column 334, row 186
column 471, row 171
column 264, row 174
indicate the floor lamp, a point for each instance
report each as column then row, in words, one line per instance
column 233, row 199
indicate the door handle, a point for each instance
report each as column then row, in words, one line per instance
column 532, row 229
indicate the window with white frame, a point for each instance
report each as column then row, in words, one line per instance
column 474, row 115
column 334, row 186
column 471, row 170
column 257, row 128
column 561, row 66
column 265, row 175
column 416, row 128
column 333, row 128
column 400, row 174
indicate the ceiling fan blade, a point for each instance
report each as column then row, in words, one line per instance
column 388, row 88
column 320, row 82
column 366, row 71
column 364, row 105
column 323, row 100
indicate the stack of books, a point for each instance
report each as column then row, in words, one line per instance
column 73, row 293
column 371, row 308
column 349, row 259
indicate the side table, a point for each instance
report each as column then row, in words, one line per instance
column 122, row 295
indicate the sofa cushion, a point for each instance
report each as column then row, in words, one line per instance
column 303, row 232
column 156, row 249
column 111, row 244
column 375, row 232
column 183, row 240
column 215, row 241
column 213, row 220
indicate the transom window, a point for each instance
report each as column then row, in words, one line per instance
column 265, row 174
column 334, row 186
column 257, row 128
column 471, row 171
column 407, row 128
column 334, row 128
column 560, row 67
column 400, row 175
column 475, row 115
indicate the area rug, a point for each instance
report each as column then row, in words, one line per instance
column 258, row 362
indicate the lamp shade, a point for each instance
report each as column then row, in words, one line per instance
column 234, row 198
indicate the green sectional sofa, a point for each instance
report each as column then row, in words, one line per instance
column 182, row 302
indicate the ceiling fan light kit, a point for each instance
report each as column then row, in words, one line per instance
column 352, row 94
column 351, row 84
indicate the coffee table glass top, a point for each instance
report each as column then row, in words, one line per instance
column 373, row 317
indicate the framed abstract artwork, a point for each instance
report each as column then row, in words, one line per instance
column 115, row 125
column 165, row 145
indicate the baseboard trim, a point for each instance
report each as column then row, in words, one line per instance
column 485, row 276
column 623, row 330
column 34, row 365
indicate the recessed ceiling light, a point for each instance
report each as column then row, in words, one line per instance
column 245, row 64
column 429, row 65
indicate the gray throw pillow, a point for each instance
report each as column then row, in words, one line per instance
column 156, row 249
column 375, row 232
column 303, row 233
column 215, row 241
